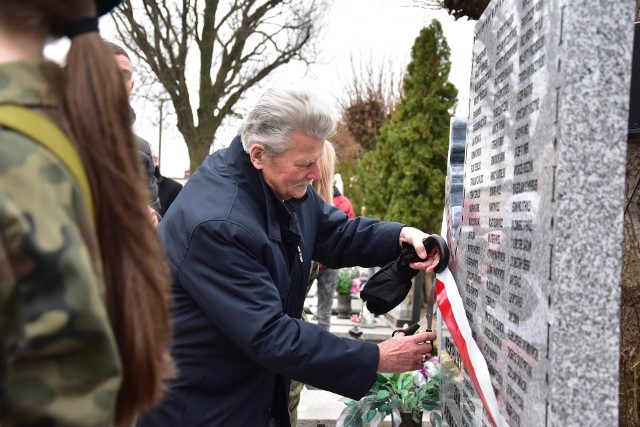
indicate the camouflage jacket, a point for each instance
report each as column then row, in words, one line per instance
column 59, row 364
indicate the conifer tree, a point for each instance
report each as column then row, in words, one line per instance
column 404, row 175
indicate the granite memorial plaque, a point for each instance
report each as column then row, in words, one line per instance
column 537, row 251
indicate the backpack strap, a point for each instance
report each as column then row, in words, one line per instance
column 50, row 136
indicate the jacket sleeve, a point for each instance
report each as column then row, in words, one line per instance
column 225, row 271
column 365, row 242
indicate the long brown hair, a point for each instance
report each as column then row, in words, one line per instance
column 95, row 112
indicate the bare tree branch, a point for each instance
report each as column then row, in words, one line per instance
column 370, row 98
column 238, row 43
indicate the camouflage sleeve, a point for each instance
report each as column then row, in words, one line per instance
column 58, row 358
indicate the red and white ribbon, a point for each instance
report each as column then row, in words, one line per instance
column 453, row 314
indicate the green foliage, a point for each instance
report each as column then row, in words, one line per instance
column 345, row 280
column 392, row 394
column 403, row 177
column 471, row 9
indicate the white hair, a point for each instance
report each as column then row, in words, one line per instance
column 282, row 111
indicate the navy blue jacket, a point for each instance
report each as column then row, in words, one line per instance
column 240, row 260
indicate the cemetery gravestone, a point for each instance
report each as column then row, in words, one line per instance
column 537, row 252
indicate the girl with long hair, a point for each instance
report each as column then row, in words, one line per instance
column 84, row 322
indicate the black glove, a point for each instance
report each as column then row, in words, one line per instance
column 391, row 284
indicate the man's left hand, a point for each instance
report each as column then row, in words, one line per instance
column 414, row 237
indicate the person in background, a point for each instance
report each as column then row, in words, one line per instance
column 168, row 189
column 240, row 239
column 144, row 148
column 328, row 277
column 84, row 322
column 323, row 188
column 341, row 202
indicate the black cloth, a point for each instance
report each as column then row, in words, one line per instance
column 390, row 285
column 240, row 260
column 168, row 190
column 104, row 6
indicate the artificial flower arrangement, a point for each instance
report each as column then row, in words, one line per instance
column 349, row 282
column 396, row 394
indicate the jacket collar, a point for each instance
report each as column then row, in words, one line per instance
column 250, row 179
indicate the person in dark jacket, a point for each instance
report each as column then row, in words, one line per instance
column 147, row 163
column 144, row 148
column 168, row 189
column 240, row 238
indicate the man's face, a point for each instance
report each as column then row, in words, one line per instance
column 289, row 173
column 127, row 72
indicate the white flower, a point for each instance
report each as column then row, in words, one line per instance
column 418, row 379
column 430, row 368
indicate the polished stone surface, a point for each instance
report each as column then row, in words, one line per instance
column 538, row 248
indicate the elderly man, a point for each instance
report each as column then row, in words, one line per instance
column 240, row 238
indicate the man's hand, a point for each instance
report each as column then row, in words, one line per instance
column 402, row 354
column 414, row 237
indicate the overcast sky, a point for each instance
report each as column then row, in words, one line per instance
column 376, row 30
